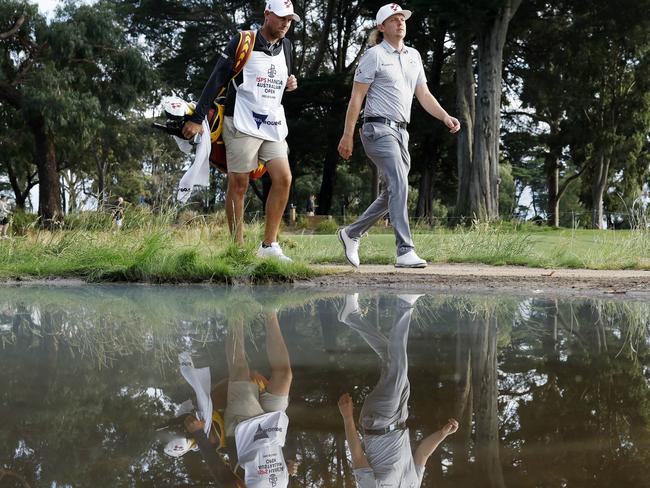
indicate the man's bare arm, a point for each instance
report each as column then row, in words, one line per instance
column 430, row 443
column 359, row 459
column 431, row 105
column 359, row 91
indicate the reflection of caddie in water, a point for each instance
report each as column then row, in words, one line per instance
column 257, row 419
column 385, row 459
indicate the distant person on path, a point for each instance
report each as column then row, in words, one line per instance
column 311, row 205
column 118, row 213
column 385, row 457
column 5, row 212
column 389, row 74
column 255, row 126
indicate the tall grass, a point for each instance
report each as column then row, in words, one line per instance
column 167, row 249
column 149, row 251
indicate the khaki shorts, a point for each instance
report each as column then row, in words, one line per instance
column 245, row 401
column 244, row 151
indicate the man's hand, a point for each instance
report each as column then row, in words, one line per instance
column 190, row 129
column 450, row 427
column 346, row 144
column 346, row 406
column 292, row 467
column 452, row 124
column 192, row 424
column 292, row 83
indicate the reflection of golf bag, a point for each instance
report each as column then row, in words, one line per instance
column 178, row 112
column 182, row 443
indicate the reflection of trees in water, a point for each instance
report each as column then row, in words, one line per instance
column 547, row 392
column 582, row 402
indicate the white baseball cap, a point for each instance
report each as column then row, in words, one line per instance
column 281, row 8
column 391, row 9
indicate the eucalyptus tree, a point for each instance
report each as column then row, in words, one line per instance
column 584, row 73
column 484, row 24
column 16, row 157
column 63, row 77
column 610, row 106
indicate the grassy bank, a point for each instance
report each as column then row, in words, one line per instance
column 498, row 245
column 203, row 252
column 195, row 254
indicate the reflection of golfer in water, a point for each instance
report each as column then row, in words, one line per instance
column 385, row 459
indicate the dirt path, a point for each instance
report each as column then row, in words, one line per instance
column 464, row 278
column 493, row 279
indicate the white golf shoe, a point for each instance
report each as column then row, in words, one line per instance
column 273, row 251
column 350, row 306
column 410, row 260
column 350, row 247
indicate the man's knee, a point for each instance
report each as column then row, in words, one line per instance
column 237, row 183
column 280, row 173
column 283, row 373
column 282, row 180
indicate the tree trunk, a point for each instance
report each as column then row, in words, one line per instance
column 102, row 173
column 553, row 178
column 465, row 87
column 484, row 170
column 483, row 188
column 552, row 170
column 463, row 403
column 424, row 208
column 485, row 396
column 20, row 196
column 49, row 190
column 326, row 193
column 601, row 172
column 425, row 195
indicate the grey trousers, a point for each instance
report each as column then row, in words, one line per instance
column 387, row 403
column 387, row 148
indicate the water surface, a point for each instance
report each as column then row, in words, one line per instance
column 547, row 392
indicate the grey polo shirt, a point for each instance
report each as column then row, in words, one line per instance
column 392, row 76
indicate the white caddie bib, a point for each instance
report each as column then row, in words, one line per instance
column 258, row 106
column 259, row 442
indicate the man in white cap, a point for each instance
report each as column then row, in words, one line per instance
column 389, row 74
column 255, row 126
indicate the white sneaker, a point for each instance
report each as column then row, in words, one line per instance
column 350, row 247
column 408, row 300
column 273, row 251
column 410, row 260
column 350, row 306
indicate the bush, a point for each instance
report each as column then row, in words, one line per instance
column 90, row 221
column 22, row 222
column 328, row 226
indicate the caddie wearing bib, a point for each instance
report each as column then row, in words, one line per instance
column 255, row 126
column 389, row 74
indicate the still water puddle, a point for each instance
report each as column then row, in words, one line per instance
column 94, row 384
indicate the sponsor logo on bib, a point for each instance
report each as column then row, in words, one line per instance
column 261, row 119
column 260, row 434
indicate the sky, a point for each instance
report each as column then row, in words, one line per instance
column 47, row 6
